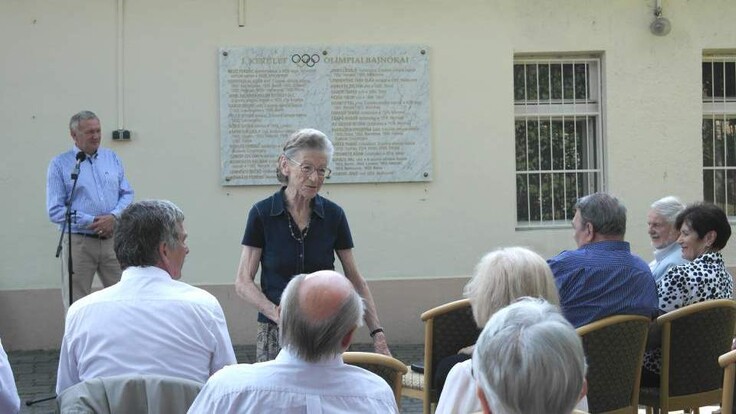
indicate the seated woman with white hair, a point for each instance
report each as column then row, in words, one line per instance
column 501, row 277
column 529, row 360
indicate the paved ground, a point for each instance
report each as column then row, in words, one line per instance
column 35, row 374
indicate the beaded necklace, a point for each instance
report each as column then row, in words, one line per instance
column 303, row 233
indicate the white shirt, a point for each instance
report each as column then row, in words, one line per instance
column 459, row 393
column 290, row 385
column 9, row 400
column 147, row 323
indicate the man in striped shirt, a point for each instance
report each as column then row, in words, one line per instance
column 601, row 277
column 101, row 194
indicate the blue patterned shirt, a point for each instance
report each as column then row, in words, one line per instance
column 101, row 188
column 603, row 279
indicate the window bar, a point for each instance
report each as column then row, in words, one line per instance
column 724, row 136
column 539, row 163
column 715, row 138
column 564, row 151
column 526, row 135
column 539, row 134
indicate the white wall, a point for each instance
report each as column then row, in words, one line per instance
column 60, row 57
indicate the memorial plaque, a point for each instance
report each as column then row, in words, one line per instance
column 371, row 101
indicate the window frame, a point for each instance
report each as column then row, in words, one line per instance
column 556, row 110
column 723, row 109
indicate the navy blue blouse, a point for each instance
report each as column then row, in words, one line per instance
column 286, row 251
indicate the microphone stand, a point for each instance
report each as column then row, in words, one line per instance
column 68, row 227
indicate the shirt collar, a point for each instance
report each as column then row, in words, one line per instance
column 151, row 272
column 607, row 245
column 660, row 254
column 77, row 150
column 278, row 206
column 287, row 357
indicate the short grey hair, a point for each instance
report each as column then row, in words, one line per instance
column 305, row 140
column 504, row 275
column 310, row 340
column 529, row 359
column 142, row 227
column 605, row 212
column 79, row 117
column 668, row 207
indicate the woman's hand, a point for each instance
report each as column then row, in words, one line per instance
column 380, row 345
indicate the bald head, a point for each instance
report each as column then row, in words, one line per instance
column 322, row 294
column 319, row 313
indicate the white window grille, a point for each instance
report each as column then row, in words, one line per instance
column 558, row 135
column 719, row 132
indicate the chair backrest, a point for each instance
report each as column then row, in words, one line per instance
column 153, row 394
column 693, row 337
column 728, row 362
column 448, row 328
column 386, row 367
column 614, row 350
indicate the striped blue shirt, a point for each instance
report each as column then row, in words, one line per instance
column 101, row 189
column 603, row 279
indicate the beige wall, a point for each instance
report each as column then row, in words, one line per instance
column 60, row 57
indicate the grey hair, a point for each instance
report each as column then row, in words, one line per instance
column 310, row 340
column 142, row 227
column 79, row 117
column 504, row 275
column 529, row 359
column 605, row 212
column 668, row 207
column 305, row 140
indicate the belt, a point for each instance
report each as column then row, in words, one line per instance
column 91, row 235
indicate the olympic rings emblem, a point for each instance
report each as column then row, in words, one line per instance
column 305, row 60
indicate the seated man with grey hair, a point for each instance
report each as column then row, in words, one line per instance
column 149, row 322
column 529, row 360
column 318, row 315
column 601, row 277
column 661, row 222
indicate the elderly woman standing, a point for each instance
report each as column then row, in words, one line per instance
column 704, row 231
column 297, row 231
column 501, row 277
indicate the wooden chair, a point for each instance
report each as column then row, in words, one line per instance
column 614, row 350
column 693, row 337
column 390, row 369
column 447, row 329
column 728, row 362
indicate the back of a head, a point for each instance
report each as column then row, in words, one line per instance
column 529, row 360
column 506, row 274
column 142, row 227
column 314, row 331
column 605, row 212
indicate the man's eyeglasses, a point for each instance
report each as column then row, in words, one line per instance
column 309, row 169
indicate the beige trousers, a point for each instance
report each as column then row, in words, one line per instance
column 89, row 256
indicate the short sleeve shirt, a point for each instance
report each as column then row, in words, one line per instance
column 287, row 252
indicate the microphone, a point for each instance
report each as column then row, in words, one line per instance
column 81, row 156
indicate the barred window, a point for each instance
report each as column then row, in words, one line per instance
column 719, row 136
column 557, row 110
